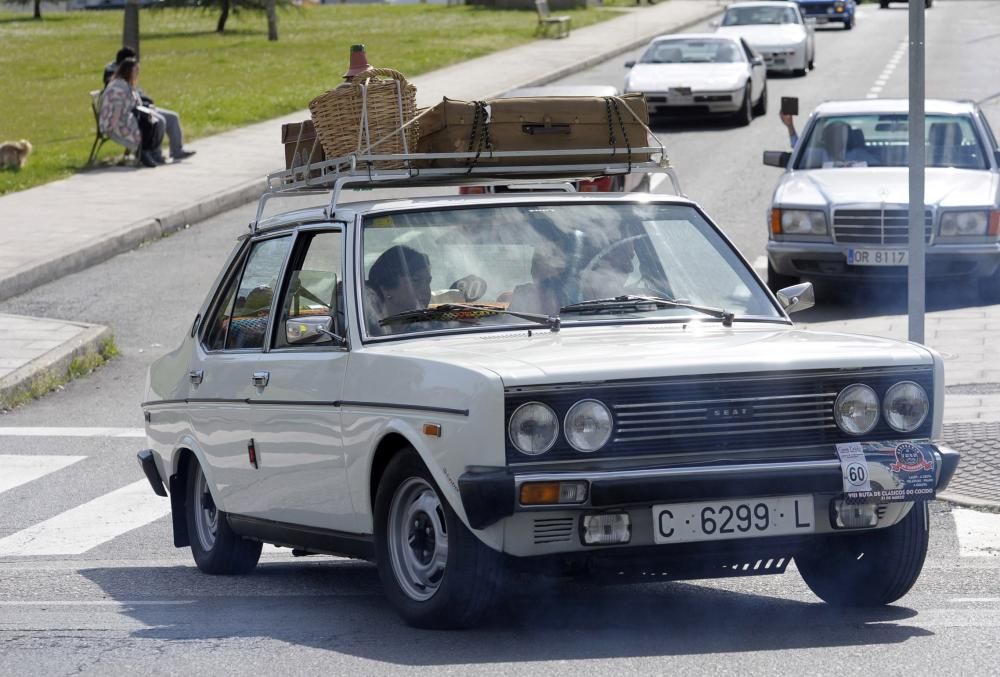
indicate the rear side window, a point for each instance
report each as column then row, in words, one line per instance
column 245, row 326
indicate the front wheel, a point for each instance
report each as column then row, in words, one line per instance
column 433, row 569
column 776, row 280
column 871, row 568
column 217, row 549
column 760, row 108
column 745, row 115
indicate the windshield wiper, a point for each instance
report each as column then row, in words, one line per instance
column 461, row 312
column 637, row 304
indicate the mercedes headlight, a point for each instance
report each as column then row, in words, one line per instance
column 803, row 222
column 588, row 425
column 856, row 409
column 955, row 224
column 905, row 406
column 533, row 428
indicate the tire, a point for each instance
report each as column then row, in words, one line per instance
column 776, row 280
column 745, row 115
column 760, row 108
column 217, row 549
column 988, row 288
column 849, row 24
column 868, row 569
column 928, row 4
column 430, row 587
column 883, row 4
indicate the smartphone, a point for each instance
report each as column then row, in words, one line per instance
column 789, row 105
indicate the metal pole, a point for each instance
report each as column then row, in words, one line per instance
column 916, row 273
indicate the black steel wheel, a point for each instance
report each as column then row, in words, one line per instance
column 760, row 108
column 871, row 568
column 217, row 549
column 745, row 115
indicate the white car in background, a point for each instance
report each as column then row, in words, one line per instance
column 701, row 74
column 775, row 29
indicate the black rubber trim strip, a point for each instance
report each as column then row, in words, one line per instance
column 313, row 539
column 304, row 403
column 148, row 464
column 949, row 463
column 487, row 496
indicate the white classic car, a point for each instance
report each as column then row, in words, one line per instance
column 461, row 387
column 695, row 74
column 840, row 209
column 775, row 29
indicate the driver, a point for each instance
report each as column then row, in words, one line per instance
column 606, row 274
column 399, row 280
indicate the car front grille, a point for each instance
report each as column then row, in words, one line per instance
column 718, row 416
column 876, row 226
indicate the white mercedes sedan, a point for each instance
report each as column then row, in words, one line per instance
column 775, row 29
column 700, row 74
column 840, row 211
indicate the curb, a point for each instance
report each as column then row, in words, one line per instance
column 968, row 502
column 128, row 238
column 51, row 366
column 594, row 60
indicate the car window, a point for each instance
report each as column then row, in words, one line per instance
column 746, row 16
column 315, row 285
column 539, row 258
column 247, row 325
column 215, row 337
column 692, row 51
column 882, row 140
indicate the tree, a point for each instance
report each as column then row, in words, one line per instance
column 37, row 13
column 130, row 27
column 227, row 7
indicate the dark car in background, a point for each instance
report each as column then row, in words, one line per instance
column 830, row 11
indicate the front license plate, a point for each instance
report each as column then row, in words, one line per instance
column 821, row 19
column 877, row 257
column 737, row 518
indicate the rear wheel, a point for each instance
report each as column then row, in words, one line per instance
column 217, row 549
column 871, row 568
column 433, row 569
column 776, row 280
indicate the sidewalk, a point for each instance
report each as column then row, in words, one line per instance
column 57, row 229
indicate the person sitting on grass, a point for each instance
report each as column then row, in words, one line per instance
column 170, row 120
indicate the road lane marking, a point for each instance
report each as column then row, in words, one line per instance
column 978, row 533
column 89, row 525
column 21, row 469
column 96, row 602
column 70, row 432
column 883, row 78
column 974, row 600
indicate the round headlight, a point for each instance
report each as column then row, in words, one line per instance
column 588, row 425
column 905, row 406
column 533, row 428
column 856, row 409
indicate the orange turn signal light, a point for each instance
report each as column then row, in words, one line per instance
column 540, row 493
column 776, row 221
column 994, row 228
column 432, row 429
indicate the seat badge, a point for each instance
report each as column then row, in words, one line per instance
column 730, row 412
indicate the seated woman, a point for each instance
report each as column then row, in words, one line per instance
column 120, row 120
column 399, row 280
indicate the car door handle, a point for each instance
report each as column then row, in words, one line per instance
column 260, row 378
column 196, row 376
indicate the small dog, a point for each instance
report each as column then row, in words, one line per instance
column 14, row 153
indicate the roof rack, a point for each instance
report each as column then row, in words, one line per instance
column 365, row 170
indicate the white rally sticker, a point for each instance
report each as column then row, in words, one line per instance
column 854, row 467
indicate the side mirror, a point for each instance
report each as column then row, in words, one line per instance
column 757, row 61
column 629, row 64
column 311, row 329
column 777, row 158
column 797, row 297
column 714, row 23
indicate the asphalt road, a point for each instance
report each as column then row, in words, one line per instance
column 89, row 582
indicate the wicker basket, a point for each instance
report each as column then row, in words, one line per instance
column 366, row 114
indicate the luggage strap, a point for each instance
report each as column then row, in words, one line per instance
column 611, row 105
column 480, row 128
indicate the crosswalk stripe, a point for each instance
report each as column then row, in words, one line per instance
column 978, row 533
column 89, row 525
column 21, row 469
column 55, row 431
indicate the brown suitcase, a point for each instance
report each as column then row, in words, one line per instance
column 551, row 123
column 301, row 146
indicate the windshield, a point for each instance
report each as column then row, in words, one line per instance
column 881, row 140
column 747, row 16
column 692, row 51
column 536, row 259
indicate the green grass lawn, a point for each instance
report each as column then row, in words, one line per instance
column 218, row 82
